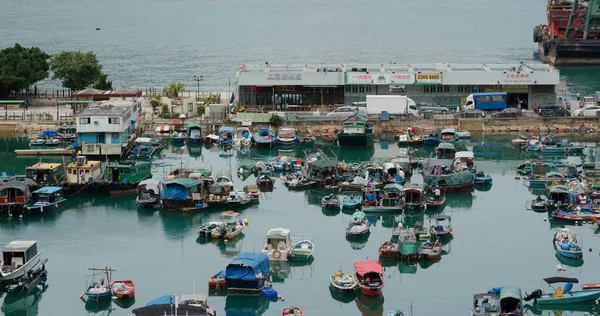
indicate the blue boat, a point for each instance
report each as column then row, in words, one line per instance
column 247, row 273
column 142, row 152
column 448, row 135
column 463, row 134
column 433, row 139
column 565, row 295
column 565, row 242
column 265, row 136
column 225, row 136
column 177, row 138
column 45, row 197
column 166, row 299
column 352, row 201
column 482, row 179
column 509, row 302
column 99, row 290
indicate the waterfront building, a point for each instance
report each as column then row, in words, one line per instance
column 302, row 87
column 104, row 128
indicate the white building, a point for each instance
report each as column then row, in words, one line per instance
column 267, row 85
column 103, row 128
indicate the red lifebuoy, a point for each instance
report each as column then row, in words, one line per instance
column 276, row 254
column 115, row 135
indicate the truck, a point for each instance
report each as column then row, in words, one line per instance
column 486, row 101
column 393, row 104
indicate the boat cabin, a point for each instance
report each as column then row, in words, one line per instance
column 393, row 172
column 445, row 151
column 17, row 254
column 322, row 170
column 47, row 194
column 485, row 304
column 277, row 239
column 448, row 135
column 194, row 131
column 226, row 134
column 13, row 194
column 559, row 195
column 45, row 173
column 464, row 160
column 413, row 195
column 128, row 171
column 553, row 179
column 223, row 183
column 355, row 127
column 83, row 170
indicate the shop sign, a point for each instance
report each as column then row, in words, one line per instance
column 379, row 79
column 512, row 78
column 284, row 76
column 429, row 78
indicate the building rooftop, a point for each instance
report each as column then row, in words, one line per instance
column 107, row 108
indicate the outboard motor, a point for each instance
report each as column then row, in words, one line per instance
column 534, row 295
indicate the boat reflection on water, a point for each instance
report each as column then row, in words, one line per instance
column 459, row 200
column 94, row 306
column 195, row 150
column 178, row 148
column 280, row 270
column 125, row 303
column 355, row 154
column 246, row 305
column 571, row 262
column 407, row 267
column 19, row 304
column 177, row 226
column 227, row 248
column 427, row 263
column 369, row 305
column 561, row 309
column 357, row 243
column 302, row 269
column 483, row 187
column 388, row 262
column 341, row 297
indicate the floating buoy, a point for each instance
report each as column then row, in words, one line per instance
column 245, row 221
column 590, row 249
column 98, row 28
column 545, row 219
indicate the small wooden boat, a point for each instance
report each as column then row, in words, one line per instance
column 463, row 134
column 591, row 286
column 352, row 201
column 330, row 201
column 442, row 226
column 482, row 179
column 217, row 281
column 369, row 276
column 343, row 282
column 388, row 250
column 101, row 289
column 291, row 311
column 231, row 226
column 572, row 216
column 538, row 204
column 123, row 289
column 298, row 182
column 177, row 138
column 433, row 200
column 308, row 140
column 302, row 250
column 265, row 179
column 565, row 242
column 407, row 244
column 358, row 226
column 428, row 250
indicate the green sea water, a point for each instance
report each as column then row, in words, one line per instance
column 497, row 242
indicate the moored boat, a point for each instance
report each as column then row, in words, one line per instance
column 351, row 201
column 563, row 295
column 177, row 138
column 481, row 178
column 194, row 132
column 247, row 273
column 539, row 203
column 14, row 195
column 278, row 244
column 407, row 243
column 432, row 139
column 448, row 135
column 100, row 289
column 265, row 179
column 292, row 311
column 358, row 227
column 343, row 282
column 442, row 226
column 264, row 136
column 565, row 242
column 388, row 250
column 287, row 137
column 123, row 289
column 429, row 250
column 148, row 193
column 414, row 196
column 330, row 201
column 18, row 257
column 242, row 137
column 225, row 136
column 485, row 304
column 355, row 134
column 231, row 226
column 435, row 198
column 44, row 198
column 217, row 281
column 369, row 276
column 463, row 134
column 302, row 249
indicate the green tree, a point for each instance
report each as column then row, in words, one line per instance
column 103, row 83
column 165, row 111
column 155, row 103
column 21, row 67
column 76, row 70
column 174, row 89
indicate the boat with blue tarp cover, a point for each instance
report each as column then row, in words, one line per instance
column 265, row 136
column 565, row 242
column 185, row 194
column 247, row 273
column 45, row 197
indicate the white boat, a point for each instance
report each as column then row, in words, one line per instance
column 240, row 198
column 278, row 244
column 242, row 137
column 18, row 257
column 287, row 137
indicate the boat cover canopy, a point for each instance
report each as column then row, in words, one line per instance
column 448, row 131
column 489, row 296
column 19, row 185
column 436, row 162
column 363, row 267
column 323, row 163
column 166, row 299
column 248, row 266
column 47, row 190
column 177, row 189
column 560, row 280
column 151, row 185
column 442, row 217
column 192, row 125
column 226, row 129
column 359, row 215
column 447, row 146
column 166, row 309
column 48, row 134
column 510, row 292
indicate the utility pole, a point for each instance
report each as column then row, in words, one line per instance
column 198, row 79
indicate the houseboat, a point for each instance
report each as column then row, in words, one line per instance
column 45, row 173
column 247, row 273
column 18, row 258
column 81, row 173
column 123, row 177
column 104, row 128
column 355, row 134
column 388, row 199
column 45, row 198
column 194, row 132
column 13, row 197
column 445, row 151
column 184, row 194
column 219, row 190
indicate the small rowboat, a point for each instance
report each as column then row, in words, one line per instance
column 579, row 216
column 388, row 250
column 591, row 286
column 123, row 289
column 330, row 201
column 291, row 311
column 343, row 282
column 430, row 251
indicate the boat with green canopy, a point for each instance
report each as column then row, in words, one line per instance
column 553, row 178
column 194, row 132
column 388, row 199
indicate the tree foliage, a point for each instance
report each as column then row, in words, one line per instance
column 76, row 70
column 174, row 89
column 20, row 67
column 103, row 83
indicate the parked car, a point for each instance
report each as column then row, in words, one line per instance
column 508, row 112
column 553, row 110
column 344, row 112
column 432, row 106
column 590, row 110
column 470, row 113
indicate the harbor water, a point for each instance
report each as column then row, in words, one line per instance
column 149, row 43
column 497, row 241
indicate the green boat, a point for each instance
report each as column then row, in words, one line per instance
column 570, row 149
column 302, row 249
column 355, row 134
column 194, row 132
column 564, row 295
column 407, row 244
column 124, row 176
column 511, row 301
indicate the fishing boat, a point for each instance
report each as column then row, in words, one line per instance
column 141, row 152
column 124, row 289
column 435, row 199
column 355, row 134
column 407, row 244
column 242, row 137
column 481, row 178
column 247, row 273
column 14, row 195
column 565, row 242
column 463, row 134
column 448, row 135
column 393, row 173
column 330, row 201
column 552, row 179
column 210, row 139
column 302, row 248
column 45, row 174
column 563, row 295
column 101, row 289
column 358, row 226
column 297, row 181
column 287, row 137
column 388, row 250
column 239, row 198
column 438, row 172
column 559, row 198
column 442, row 226
column 572, row 216
column 485, row 304
column 225, row 136
column 353, row 201
column 369, row 276
column 445, row 151
column 429, row 250
column 217, row 281
column 308, row 139
column 278, row 244
column 231, row 226
column 194, row 132
column 539, row 203
column 388, row 199
column 345, row 283
column 432, row 139
column 150, row 142
column 265, row 179
column 556, row 149
column 45, row 197
column 178, row 138
column 148, row 193
column 264, row 136
column 414, row 196
column 18, row 257
column 292, row 311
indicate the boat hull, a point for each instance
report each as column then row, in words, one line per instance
column 124, row 294
column 355, row 140
column 370, row 291
column 572, row 297
column 14, row 276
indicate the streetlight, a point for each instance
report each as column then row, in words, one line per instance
column 198, row 79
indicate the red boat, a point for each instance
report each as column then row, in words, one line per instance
column 579, row 216
column 123, row 289
column 591, row 286
column 369, row 276
column 291, row 311
column 594, row 219
column 388, row 250
column 217, row 281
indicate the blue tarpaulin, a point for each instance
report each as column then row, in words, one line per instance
column 167, row 299
column 48, row 134
column 247, row 266
column 177, row 189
